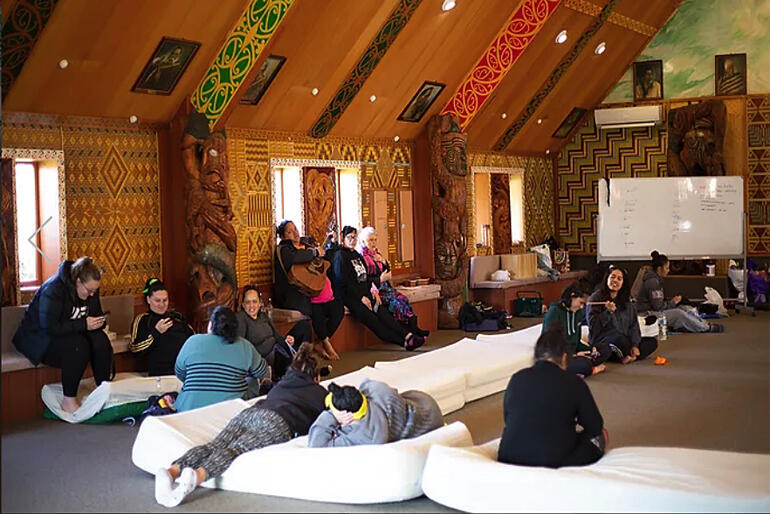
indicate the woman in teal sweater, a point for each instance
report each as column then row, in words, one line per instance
column 569, row 315
column 214, row 366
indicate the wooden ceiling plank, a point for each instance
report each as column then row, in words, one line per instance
column 555, row 76
column 236, row 57
column 366, row 64
column 591, row 9
column 494, row 64
column 21, row 30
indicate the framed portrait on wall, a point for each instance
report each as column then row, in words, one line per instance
column 730, row 74
column 569, row 122
column 262, row 81
column 421, row 101
column 166, row 66
column 648, row 80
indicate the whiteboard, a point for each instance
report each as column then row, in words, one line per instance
column 681, row 217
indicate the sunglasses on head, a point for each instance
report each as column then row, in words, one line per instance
column 151, row 282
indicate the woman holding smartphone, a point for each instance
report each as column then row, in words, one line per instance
column 62, row 327
column 160, row 332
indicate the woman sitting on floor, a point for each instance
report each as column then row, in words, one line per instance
column 613, row 323
column 62, row 327
column 375, row 413
column 256, row 327
column 352, row 285
column 325, row 311
column 652, row 300
column 287, row 412
column 160, row 332
column 378, row 270
column 542, row 407
column 568, row 315
column 214, row 366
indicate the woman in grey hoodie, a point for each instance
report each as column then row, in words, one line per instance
column 375, row 413
column 651, row 299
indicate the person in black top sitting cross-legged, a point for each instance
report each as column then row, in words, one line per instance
column 542, row 408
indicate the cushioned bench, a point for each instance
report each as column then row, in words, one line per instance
column 22, row 381
column 373, row 473
column 631, row 479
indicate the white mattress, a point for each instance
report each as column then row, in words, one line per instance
column 631, row 479
column 373, row 473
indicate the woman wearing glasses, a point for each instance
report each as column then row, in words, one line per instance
column 160, row 332
column 353, row 286
column 62, row 327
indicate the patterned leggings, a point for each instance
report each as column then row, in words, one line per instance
column 251, row 429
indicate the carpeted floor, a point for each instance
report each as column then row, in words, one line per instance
column 715, row 394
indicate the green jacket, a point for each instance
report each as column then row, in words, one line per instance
column 570, row 323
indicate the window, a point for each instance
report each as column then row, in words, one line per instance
column 482, row 193
column 37, row 204
column 517, row 208
column 347, row 198
column 288, row 195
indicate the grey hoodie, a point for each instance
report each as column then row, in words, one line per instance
column 651, row 296
column 390, row 417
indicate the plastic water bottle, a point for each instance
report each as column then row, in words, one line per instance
column 157, row 385
column 269, row 308
column 662, row 328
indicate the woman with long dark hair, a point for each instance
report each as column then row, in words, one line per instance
column 652, row 300
column 613, row 323
column 62, row 327
column 287, row 412
column 160, row 332
column 213, row 367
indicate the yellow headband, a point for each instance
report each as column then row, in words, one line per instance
column 359, row 414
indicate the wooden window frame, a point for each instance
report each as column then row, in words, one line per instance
column 33, row 284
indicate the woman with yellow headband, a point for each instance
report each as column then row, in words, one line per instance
column 375, row 413
column 160, row 332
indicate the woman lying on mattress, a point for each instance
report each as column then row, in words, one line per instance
column 543, row 406
column 373, row 414
column 287, row 412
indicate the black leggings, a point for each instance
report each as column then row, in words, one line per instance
column 381, row 323
column 615, row 346
column 581, row 366
column 584, row 453
column 326, row 317
column 73, row 353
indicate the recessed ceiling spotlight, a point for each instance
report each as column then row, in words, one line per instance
column 504, row 115
column 547, row 151
column 561, row 37
column 448, row 5
column 540, row 121
column 133, row 118
column 372, row 98
column 600, row 48
column 396, row 138
column 63, row 63
column 314, row 91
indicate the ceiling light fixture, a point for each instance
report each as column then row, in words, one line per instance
column 63, row 63
column 314, row 91
column 540, row 121
column 504, row 115
column 133, row 118
column 561, row 37
column 547, row 151
column 396, row 138
column 600, row 48
column 372, row 98
column 448, row 5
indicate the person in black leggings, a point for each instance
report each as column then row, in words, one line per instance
column 542, row 408
column 352, row 285
column 62, row 327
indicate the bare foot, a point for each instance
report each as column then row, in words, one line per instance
column 70, row 404
column 599, row 369
column 319, row 349
column 627, row 359
column 333, row 355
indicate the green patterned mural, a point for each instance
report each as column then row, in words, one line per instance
column 699, row 30
column 237, row 56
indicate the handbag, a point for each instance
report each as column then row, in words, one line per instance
column 308, row 277
column 528, row 306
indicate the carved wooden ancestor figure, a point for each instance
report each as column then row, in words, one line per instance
column 696, row 134
column 449, row 166
column 211, row 239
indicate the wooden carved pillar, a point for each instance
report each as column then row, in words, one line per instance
column 320, row 202
column 500, row 184
column 449, row 166
column 211, row 239
column 10, row 286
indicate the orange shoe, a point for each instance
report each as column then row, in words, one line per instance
column 661, row 361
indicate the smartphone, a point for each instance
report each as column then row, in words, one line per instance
column 105, row 314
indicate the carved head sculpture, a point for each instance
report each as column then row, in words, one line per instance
column 695, row 139
column 453, row 147
column 446, row 260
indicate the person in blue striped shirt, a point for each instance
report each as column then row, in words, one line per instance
column 214, row 366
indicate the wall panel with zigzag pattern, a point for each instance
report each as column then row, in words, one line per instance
column 111, row 191
column 384, row 166
column 594, row 154
column 758, row 174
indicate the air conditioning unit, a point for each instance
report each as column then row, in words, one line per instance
column 641, row 116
